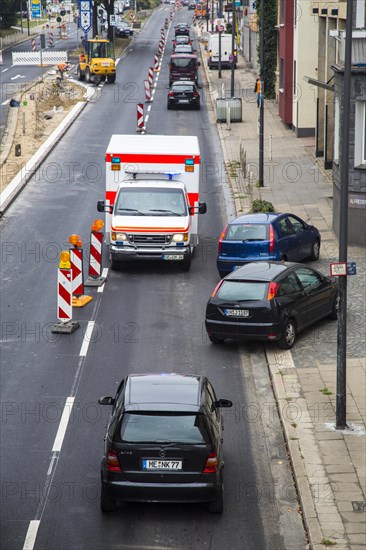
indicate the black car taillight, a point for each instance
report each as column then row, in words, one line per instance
column 221, row 238
column 196, row 94
column 272, row 290
column 211, row 464
column 171, row 94
column 112, row 462
column 216, row 289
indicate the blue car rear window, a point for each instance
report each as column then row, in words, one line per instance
column 242, row 290
column 247, row 231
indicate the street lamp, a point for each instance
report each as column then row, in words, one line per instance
column 261, row 100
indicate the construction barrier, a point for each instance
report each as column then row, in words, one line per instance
column 64, row 297
column 162, row 35
column 147, row 91
column 160, row 50
column 140, row 117
column 151, row 76
column 79, row 299
column 50, row 38
column 156, row 63
column 95, row 256
column 33, row 44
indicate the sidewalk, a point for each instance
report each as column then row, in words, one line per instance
column 329, row 465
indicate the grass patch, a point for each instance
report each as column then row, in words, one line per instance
column 294, row 424
column 326, row 391
column 327, row 542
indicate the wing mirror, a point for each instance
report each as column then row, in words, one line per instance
column 223, row 403
column 202, row 209
column 102, row 207
column 106, row 400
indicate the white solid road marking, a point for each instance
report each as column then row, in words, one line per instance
column 105, row 275
column 17, row 76
column 30, row 538
column 63, row 424
column 87, row 339
column 6, row 102
column 4, row 70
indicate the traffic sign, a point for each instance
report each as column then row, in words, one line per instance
column 113, row 20
column 85, row 11
column 221, row 28
column 231, row 58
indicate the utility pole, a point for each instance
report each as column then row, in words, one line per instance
column 207, row 15
column 341, row 422
column 233, row 29
column 212, row 16
column 261, row 102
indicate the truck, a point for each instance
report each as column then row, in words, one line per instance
column 98, row 61
column 226, row 51
column 152, row 199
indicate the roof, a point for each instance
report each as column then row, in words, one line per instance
column 257, row 218
column 184, row 55
column 153, row 145
column 260, row 271
column 164, row 391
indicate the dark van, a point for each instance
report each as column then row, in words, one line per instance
column 183, row 67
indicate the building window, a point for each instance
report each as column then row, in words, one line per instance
column 282, row 12
column 360, row 133
column 282, row 74
column 336, row 130
column 360, row 14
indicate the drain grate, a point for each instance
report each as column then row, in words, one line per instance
column 359, row 506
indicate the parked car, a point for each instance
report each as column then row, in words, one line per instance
column 182, row 29
column 184, row 48
column 270, row 236
column 123, row 29
column 192, row 5
column 270, row 301
column 183, row 93
column 163, row 442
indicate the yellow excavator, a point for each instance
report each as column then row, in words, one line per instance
column 98, row 61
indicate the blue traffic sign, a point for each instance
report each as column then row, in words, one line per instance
column 85, row 15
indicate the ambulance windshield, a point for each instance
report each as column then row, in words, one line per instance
column 146, row 201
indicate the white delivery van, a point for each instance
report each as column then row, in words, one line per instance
column 152, row 198
column 226, row 50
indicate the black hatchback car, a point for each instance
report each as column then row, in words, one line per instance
column 183, row 94
column 164, row 442
column 181, row 29
column 270, row 301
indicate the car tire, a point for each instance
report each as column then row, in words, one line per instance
column 215, row 339
column 217, row 505
column 107, row 504
column 288, row 337
column 198, row 106
column 87, row 75
column 168, row 106
column 315, row 250
column 335, row 308
column 80, row 75
column 186, row 264
column 111, row 79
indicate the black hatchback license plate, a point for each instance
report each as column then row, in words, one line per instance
column 158, row 464
column 236, row 312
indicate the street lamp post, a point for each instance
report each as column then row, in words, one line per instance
column 207, row 15
column 341, row 422
column 212, row 16
column 232, row 52
column 261, row 102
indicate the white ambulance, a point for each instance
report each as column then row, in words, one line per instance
column 152, row 198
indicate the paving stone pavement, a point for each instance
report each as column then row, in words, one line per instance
column 329, row 465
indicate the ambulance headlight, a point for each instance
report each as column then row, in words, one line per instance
column 180, row 237
column 118, row 236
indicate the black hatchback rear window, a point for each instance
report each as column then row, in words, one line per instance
column 247, row 232
column 163, row 427
column 242, row 291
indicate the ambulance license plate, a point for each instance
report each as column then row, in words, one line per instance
column 173, row 257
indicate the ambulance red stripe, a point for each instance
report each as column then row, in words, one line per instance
column 153, row 159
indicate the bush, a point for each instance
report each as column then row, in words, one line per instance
column 260, row 205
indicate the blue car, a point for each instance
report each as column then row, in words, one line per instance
column 269, row 237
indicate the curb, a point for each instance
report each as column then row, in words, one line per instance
column 21, row 179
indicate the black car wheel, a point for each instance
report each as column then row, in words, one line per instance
column 335, row 308
column 186, row 264
column 217, row 505
column 111, row 78
column 215, row 339
column 115, row 265
column 288, row 337
column 107, row 504
column 315, row 250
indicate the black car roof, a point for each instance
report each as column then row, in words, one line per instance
column 163, row 392
column 260, row 271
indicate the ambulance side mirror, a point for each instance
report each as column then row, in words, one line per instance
column 202, row 209
column 101, row 207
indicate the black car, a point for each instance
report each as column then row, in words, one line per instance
column 192, row 5
column 183, row 93
column 163, row 442
column 181, row 30
column 181, row 39
column 123, row 30
column 270, row 301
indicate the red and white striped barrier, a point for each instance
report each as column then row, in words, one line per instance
column 162, row 35
column 151, row 76
column 79, row 298
column 50, row 38
column 33, row 44
column 156, row 63
column 160, row 50
column 64, row 297
column 147, row 91
column 140, row 117
column 95, row 256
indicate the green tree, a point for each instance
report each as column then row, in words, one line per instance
column 270, row 46
column 8, row 13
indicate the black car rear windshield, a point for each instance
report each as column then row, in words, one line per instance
column 247, row 232
column 183, row 87
column 183, row 63
column 163, row 427
column 242, row 291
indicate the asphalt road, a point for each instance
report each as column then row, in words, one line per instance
column 148, row 318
